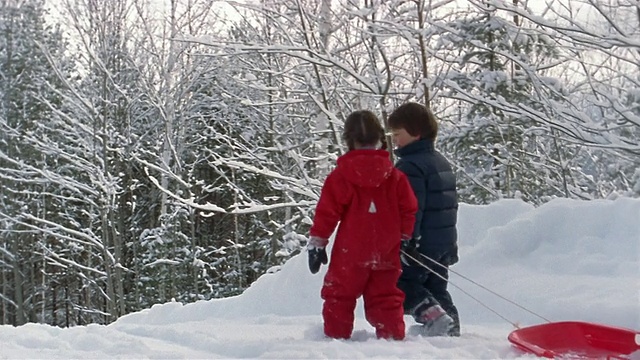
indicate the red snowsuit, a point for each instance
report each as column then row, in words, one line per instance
column 375, row 206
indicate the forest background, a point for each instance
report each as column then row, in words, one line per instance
column 174, row 150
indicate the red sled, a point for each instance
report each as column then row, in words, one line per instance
column 577, row 340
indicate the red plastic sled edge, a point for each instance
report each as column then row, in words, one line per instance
column 575, row 338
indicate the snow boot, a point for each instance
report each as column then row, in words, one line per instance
column 435, row 321
column 455, row 327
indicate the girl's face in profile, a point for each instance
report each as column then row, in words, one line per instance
column 401, row 137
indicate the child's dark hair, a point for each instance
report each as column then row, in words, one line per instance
column 416, row 119
column 363, row 127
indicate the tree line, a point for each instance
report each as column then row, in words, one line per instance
column 174, row 151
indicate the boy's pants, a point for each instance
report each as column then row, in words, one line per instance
column 423, row 286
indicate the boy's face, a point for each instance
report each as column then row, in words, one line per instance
column 402, row 138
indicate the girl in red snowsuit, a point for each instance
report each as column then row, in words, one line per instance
column 375, row 206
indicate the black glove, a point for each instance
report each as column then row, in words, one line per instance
column 453, row 257
column 316, row 257
column 410, row 247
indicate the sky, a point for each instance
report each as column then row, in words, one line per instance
column 565, row 260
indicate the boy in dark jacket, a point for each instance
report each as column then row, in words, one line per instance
column 375, row 206
column 414, row 130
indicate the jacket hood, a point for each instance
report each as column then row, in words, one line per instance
column 366, row 168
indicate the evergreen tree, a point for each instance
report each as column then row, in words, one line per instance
column 28, row 82
column 505, row 152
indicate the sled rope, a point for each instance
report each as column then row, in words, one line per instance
column 478, row 285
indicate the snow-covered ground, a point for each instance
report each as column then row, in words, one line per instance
column 566, row 260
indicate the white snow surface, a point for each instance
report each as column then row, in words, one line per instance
column 565, row 260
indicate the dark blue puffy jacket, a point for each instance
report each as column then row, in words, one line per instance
column 434, row 185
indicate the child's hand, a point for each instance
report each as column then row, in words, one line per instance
column 453, row 258
column 316, row 257
column 409, row 254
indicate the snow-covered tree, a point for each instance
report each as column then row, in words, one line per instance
column 181, row 154
column 498, row 59
column 26, row 80
column 598, row 73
